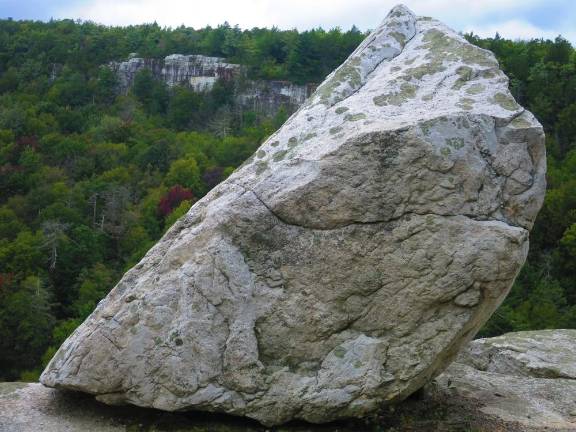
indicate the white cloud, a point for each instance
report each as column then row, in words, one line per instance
column 304, row 14
column 247, row 13
column 518, row 29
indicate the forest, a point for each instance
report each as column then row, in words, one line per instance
column 90, row 179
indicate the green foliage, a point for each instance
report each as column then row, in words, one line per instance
column 105, row 86
column 185, row 109
column 25, row 320
column 94, row 284
column 537, row 301
column 69, row 90
column 177, row 213
column 10, row 225
column 568, row 243
column 151, row 93
column 185, row 172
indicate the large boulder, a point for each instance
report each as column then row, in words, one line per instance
column 345, row 264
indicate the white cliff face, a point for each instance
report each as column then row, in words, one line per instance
column 269, row 96
column 200, row 73
column 345, row 264
column 126, row 71
column 196, row 71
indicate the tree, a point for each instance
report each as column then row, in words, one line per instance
column 10, row 225
column 221, row 123
column 184, row 109
column 173, row 198
column 560, row 51
column 112, row 129
column 177, row 213
column 25, row 320
column 9, row 80
column 566, row 127
column 54, row 235
column 22, row 255
column 106, row 86
column 70, row 90
column 185, row 173
column 150, row 92
column 568, row 243
column 94, row 283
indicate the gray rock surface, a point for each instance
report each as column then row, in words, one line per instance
column 345, row 264
column 463, row 398
column 537, row 354
column 200, row 73
column 523, row 381
column 196, row 71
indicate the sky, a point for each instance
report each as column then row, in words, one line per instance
column 515, row 19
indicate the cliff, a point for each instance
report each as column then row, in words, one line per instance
column 200, row 73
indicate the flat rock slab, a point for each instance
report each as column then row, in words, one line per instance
column 347, row 262
column 509, row 402
column 523, row 379
column 537, row 354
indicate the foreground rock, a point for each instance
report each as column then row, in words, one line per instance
column 462, row 398
column 347, row 262
column 537, row 354
column 525, row 381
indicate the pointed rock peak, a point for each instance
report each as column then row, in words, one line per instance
column 400, row 11
column 384, row 43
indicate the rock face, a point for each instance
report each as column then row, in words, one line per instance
column 523, row 381
column 346, row 263
column 200, row 73
column 538, row 354
column 195, row 71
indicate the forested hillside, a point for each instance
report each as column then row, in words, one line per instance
column 90, row 179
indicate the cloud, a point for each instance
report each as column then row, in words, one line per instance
column 304, row 14
column 518, row 29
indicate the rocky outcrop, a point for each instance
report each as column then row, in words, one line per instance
column 536, row 354
column 462, row 398
column 522, row 381
column 347, row 262
column 195, row 71
column 200, row 73
column 268, row 97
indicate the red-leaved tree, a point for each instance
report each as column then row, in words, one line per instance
column 173, row 198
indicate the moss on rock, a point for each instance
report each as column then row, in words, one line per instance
column 407, row 91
